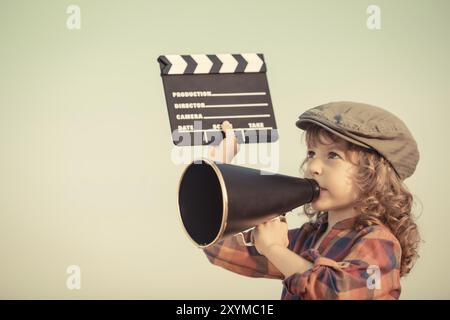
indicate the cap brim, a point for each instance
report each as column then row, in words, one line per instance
column 304, row 123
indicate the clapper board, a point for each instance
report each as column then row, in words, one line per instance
column 203, row 90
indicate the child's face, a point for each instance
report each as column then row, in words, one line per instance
column 329, row 166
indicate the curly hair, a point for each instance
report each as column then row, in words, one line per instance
column 383, row 197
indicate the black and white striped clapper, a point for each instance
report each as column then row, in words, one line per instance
column 204, row 90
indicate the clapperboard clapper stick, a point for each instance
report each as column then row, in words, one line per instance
column 204, row 90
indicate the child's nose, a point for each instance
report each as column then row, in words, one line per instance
column 314, row 167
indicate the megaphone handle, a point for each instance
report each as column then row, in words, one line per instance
column 248, row 243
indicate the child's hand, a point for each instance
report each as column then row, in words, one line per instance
column 267, row 234
column 227, row 148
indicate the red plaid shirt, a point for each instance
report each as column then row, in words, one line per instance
column 348, row 264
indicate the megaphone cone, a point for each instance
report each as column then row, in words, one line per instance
column 216, row 200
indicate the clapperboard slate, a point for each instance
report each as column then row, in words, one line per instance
column 203, row 90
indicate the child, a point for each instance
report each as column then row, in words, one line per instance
column 361, row 238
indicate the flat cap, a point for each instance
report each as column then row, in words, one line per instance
column 369, row 127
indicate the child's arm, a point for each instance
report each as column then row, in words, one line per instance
column 233, row 255
column 272, row 240
column 287, row 261
column 370, row 271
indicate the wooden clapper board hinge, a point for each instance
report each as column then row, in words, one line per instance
column 203, row 90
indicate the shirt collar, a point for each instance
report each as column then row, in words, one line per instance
column 340, row 225
column 345, row 224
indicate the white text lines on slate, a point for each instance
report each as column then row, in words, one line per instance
column 234, row 129
column 241, row 116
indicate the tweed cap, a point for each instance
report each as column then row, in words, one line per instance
column 369, row 127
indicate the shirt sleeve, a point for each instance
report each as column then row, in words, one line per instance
column 232, row 254
column 370, row 271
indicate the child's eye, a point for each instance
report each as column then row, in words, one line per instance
column 310, row 154
column 333, row 155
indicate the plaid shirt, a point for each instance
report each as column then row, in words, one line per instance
column 348, row 264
